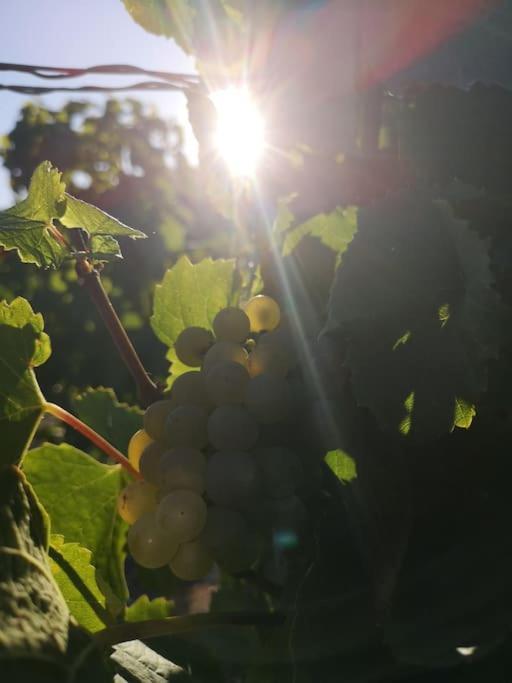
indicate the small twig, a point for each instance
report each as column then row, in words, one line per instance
column 93, row 437
column 147, row 390
column 152, row 628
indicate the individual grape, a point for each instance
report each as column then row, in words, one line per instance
column 283, row 340
column 263, row 312
column 136, row 446
column 232, row 325
column 182, row 514
column 183, row 468
column 268, row 398
column 192, row 561
column 227, row 382
column 224, row 351
column 281, row 471
column 269, row 359
column 186, row 426
column 135, row 500
column 155, row 418
column 192, row 344
column 232, row 478
column 149, row 545
column 288, row 517
column 233, row 544
column 149, row 465
column 231, row 428
column 190, row 389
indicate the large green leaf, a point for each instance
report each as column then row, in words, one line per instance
column 27, row 226
column 76, row 577
column 23, row 346
column 335, row 230
column 33, row 616
column 80, row 495
column 191, row 294
column 100, row 409
column 413, row 297
column 80, row 214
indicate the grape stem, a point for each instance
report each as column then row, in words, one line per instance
column 94, row 437
column 152, row 628
column 89, row 277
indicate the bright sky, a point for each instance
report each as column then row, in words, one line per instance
column 79, row 33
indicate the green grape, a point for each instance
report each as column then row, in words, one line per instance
column 149, row 465
column 182, row 514
column 231, row 428
column 232, row 478
column 186, row 426
column 288, row 516
column 136, row 446
column 234, row 545
column 268, row 398
column 283, row 341
column 226, row 383
column 183, row 468
column 135, row 500
column 189, row 389
column 223, row 351
column 155, row 418
column 193, row 561
column 232, row 325
column 149, row 545
column 269, row 359
column 192, row 344
column 281, row 471
column 263, row 312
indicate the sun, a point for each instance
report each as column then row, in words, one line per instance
column 240, row 131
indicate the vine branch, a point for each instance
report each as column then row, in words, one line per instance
column 89, row 277
column 94, row 437
column 152, row 628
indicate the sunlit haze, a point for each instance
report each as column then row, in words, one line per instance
column 239, row 136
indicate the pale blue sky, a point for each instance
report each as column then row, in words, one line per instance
column 79, row 33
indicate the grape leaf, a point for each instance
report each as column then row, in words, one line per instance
column 171, row 18
column 141, row 664
column 80, row 214
column 80, row 495
column 414, row 299
column 76, row 577
column 27, row 226
column 33, row 615
column 104, row 248
column 143, row 608
column 115, row 421
column 191, row 294
column 335, row 230
column 342, row 465
column 23, row 346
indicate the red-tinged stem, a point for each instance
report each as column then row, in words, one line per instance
column 93, row 437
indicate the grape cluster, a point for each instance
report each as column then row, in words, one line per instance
column 213, row 489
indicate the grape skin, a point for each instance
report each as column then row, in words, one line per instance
column 192, row 344
column 234, row 545
column 193, row 561
column 268, row 398
column 263, row 312
column 226, row 383
column 183, row 468
column 190, row 389
column 186, row 426
column 150, row 459
column 231, row 324
column 224, row 351
column 149, row 545
column 182, row 514
column 136, row 446
column 231, row 428
column 155, row 418
column 136, row 499
column 232, row 478
column 270, row 359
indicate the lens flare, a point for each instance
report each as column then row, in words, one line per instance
column 239, row 136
